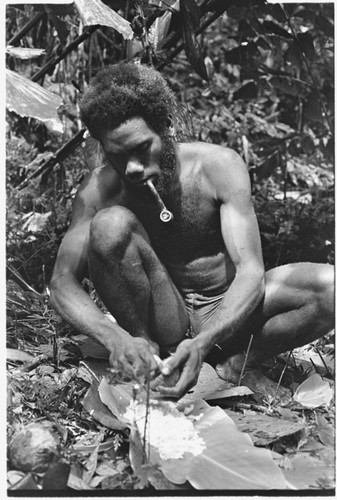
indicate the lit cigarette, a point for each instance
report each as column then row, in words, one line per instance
column 165, row 215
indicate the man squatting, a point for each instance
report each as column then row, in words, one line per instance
column 189, row 286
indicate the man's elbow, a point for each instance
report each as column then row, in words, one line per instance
column 258, row 277
column 255, row 274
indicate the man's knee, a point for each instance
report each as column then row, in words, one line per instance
column 325, row 291
column 111, row 230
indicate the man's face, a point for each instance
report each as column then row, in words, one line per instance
column 137, row 153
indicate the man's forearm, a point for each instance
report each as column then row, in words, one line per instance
column 75, row 306
column 238, row 304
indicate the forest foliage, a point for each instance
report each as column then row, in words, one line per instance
column 255, row 77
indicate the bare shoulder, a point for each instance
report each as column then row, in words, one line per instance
column 211, row 155
column 222, row 169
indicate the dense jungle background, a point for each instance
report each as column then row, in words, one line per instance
column 252, row 76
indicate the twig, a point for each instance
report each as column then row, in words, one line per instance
column 244, row 366
column 89, row 370
column 60, row 155
column 313, row 364
column 69, row 48
column 245, row 361
column 33, row 364
column 26, row 28
column 16, row 276
column 282, row 373
column 146, row 418
column 323, row 361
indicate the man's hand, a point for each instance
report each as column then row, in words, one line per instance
column 134, row 357
column 185, row 363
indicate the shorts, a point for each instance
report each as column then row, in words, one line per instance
column 200, row 309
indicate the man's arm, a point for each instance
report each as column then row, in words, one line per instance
column 241, row 236
column 229, row 184
column 75, row 306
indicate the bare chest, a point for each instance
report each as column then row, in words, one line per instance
column 194, row 231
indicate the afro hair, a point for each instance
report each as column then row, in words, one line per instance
column 123, row 91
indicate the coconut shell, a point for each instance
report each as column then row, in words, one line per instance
column 33, row 448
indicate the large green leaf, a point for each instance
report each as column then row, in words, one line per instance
column 27, row 98
column 95, row 12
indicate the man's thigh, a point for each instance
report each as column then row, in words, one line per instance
column 132, row 281
column 293, row 286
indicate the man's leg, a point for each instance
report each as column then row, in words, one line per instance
column 298, row 308
column 131, row 281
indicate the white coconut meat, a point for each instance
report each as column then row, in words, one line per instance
column 172, row 433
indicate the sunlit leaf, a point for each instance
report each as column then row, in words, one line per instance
column 313, row 392
column 18, row 355
column 166, row 4
column 27, row 98
column 116, row 397
column 231, row 462
column 95, row 12
column 159, row 29
column 36, row 222
column 24, row 52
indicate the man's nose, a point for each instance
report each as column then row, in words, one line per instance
column 134, row 169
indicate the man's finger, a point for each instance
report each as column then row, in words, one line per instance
column 182, row 386
column 173, row 362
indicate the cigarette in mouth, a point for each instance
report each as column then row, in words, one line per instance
column 165, row 214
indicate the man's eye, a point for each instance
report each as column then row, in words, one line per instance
column 144, row 147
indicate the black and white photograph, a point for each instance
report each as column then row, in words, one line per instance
column 170, row 248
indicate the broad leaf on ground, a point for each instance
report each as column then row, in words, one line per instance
column 231, row 462
column 193, row 442
column 210, row 387
column 313, row 392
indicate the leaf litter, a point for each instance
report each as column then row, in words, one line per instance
column 107, row 452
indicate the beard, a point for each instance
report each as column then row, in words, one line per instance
column 167, row 165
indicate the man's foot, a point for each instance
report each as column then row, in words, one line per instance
column 253, row 378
